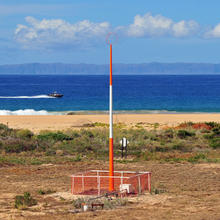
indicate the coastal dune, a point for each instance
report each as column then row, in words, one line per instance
column 36, row 123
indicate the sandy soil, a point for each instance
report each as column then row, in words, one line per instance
column 191, row 191
column 61, row 122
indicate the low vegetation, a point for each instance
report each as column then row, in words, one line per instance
column 25, row 201
column 191, row 142
column 45, row 192
column 108, row 203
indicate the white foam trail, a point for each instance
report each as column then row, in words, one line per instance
column 27, row 97
column 24, row 112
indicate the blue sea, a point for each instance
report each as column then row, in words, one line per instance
column 149, row 93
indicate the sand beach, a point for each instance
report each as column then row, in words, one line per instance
column 62, row 122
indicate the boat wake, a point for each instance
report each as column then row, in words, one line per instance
column 24, row 112
column 27, row 97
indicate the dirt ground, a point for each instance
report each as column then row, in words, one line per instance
column 188, row 191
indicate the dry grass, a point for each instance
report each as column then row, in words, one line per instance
column 188, row 191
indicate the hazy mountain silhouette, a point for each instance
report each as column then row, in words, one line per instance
column 119, row 68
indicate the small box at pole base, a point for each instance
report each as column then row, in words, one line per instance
column 126, row 187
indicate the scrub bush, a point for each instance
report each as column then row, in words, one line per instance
column 184, row 134
column 24, row 134
column 23, row 202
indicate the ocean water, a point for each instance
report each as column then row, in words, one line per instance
column 149, row 93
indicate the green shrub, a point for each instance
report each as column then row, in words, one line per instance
column 83, row 145
column 216, row 130
column 77, row 158
column 74, row 134
column 23, row 202
column 24, row 134
column 44, row 145
column 157, row 191
column 93, row 143
column 185, row 133
column 87, row 133
column 208, row 136
column 181, row 147
column 56, row 136
column 162, row 149
column 197, row 158
column 212, row 124
column 3, row 127
column 13, row 148
column 215, row 143
column 45, row 192
column 99, row 124
column 17, row 146
column 111, row 204
column 5, row 130
column 169, row 133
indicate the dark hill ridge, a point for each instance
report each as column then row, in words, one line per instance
column 143, row 68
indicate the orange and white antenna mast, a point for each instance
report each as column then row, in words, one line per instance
column 111, row 151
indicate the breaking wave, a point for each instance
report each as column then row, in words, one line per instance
column 27, row 97
column 24, row 112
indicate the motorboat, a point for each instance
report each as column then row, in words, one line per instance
column 55, row 95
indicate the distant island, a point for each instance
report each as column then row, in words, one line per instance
column 118, row 68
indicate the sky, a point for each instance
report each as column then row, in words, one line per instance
column 75, row 31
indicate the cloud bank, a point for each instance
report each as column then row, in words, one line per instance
column 57, row 33
column 157, row 26
column 214, row 32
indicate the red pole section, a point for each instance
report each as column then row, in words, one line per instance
column 111, row 153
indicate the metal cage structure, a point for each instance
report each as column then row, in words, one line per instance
column 96, row 182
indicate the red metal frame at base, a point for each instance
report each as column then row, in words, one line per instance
column 96, row 182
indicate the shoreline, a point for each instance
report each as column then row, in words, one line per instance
column 129, row 112
column 32, row 112
column 37, row 123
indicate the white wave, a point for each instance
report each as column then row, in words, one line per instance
column 24, row 112
column 27, row 97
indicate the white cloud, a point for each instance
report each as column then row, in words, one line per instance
column 148, row 25
column 184, row 28
column 57, row 32
column 156, row 26
column 214, row 32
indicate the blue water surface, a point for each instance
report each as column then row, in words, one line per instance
column 181, row 93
